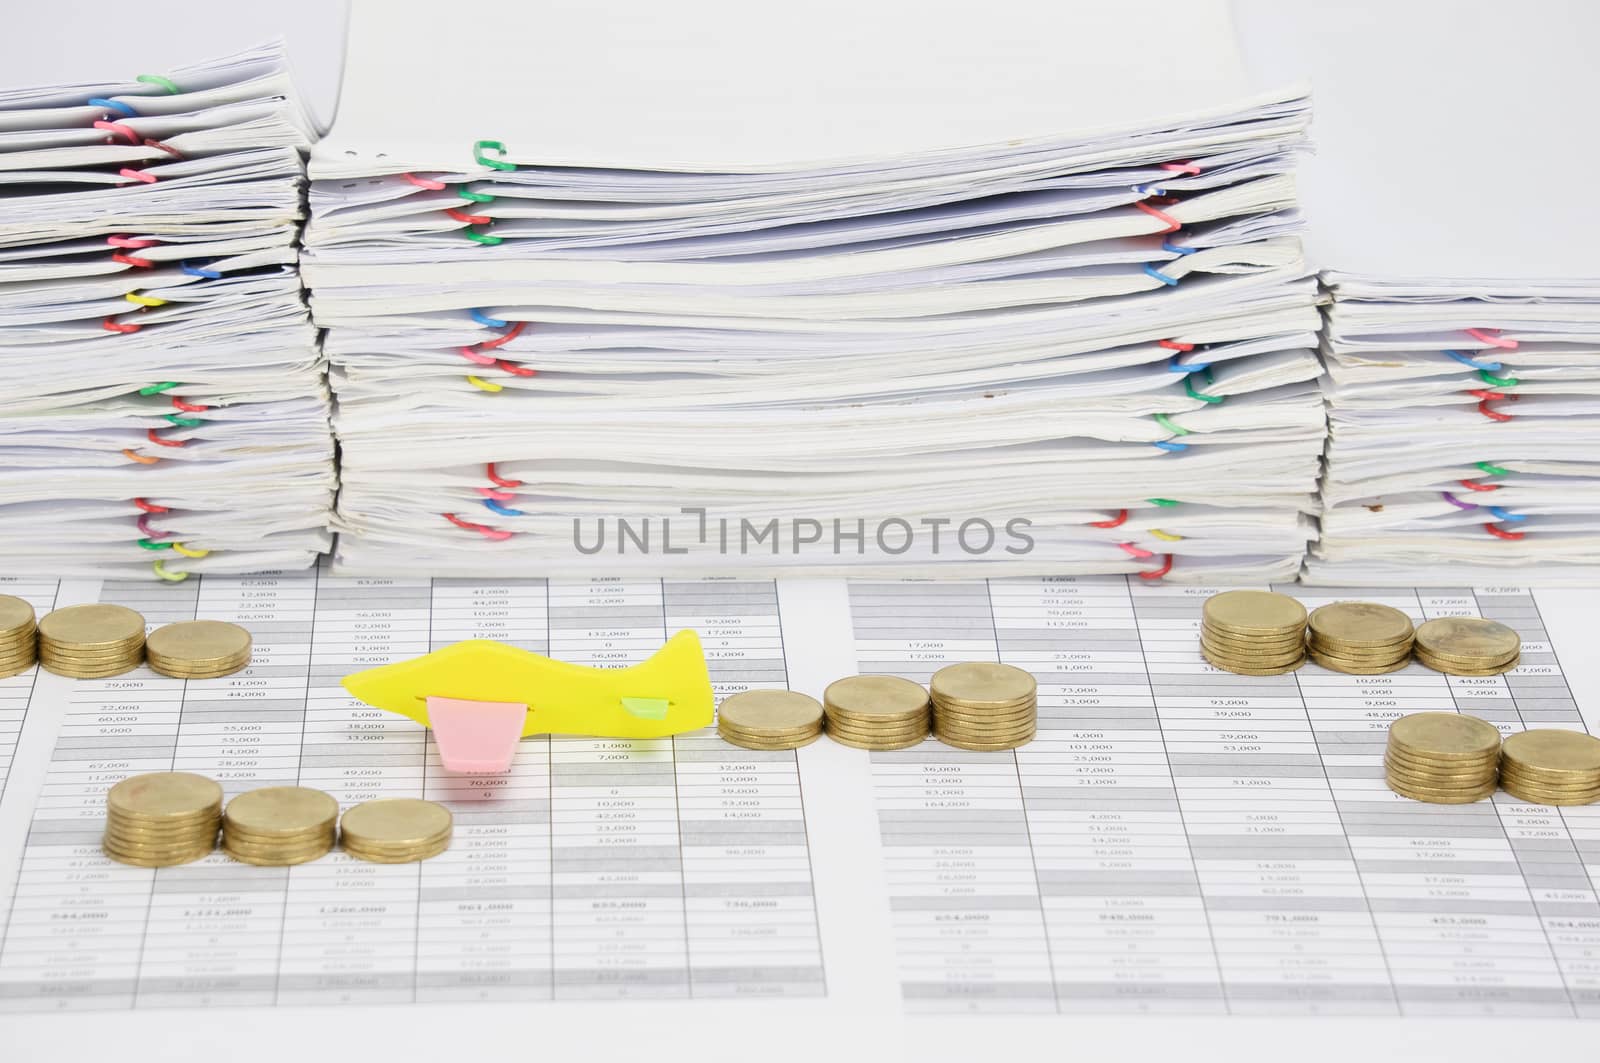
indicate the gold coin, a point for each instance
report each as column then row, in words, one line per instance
column 793, row 732
column 199, row 642
column 281, row 811
column 1445, row 735
column 1225, row 641
column 1449, row 668
column 1467, row 638
column 1240, row 669
column 1252, row 660
column 173, row 860
column 771, row 745
column 279, row 859
column 1443, row 780
column 878, row 745
column 1363, row 624
column 395, row 822
column 1543, row 798
column 384, row 856
column 1335, row 664
column 1441, row 797
column 852, row 720
column 164, row 796
column 770, row 710
column 88, row 627
column 890, row 734
column 16, row 617
column 984, row 747
column 982, row 684
column 1522, row 782
column 1554, row 752
column 1422, row 762
column 1026, row 709
column 1254, row 613
column 941, row 705
column 874, row 696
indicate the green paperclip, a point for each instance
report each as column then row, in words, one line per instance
column 160, row 82
column 483, row 238
column 1166, row 422
column 1492, row 469
column 156, row 389
column 151, row 545
column 473, row 197
column 1166, row 502
column 491, row 145
column 1188, row 386
column 183, row 422
column 1497, row 381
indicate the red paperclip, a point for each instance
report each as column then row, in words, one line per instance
column 1494, row 341
column 482, row 529
column 187, row 407
column 150, row 507
column 1122, row 516
column 1137, row 551
column 470, row 219
column 497, row 495
column 471, row 354
column 130, row 242
column 504, row 338
column 1159, row 572
column 1478, row 487
column 514, row 369
column 132, row 260
column 1173, row 224
column 152, row 437
column 1174, row 345
column 1499, row 534
column 138, row 175
column 423, row 182
column 1181, row 167
column 496, row 478
column 159, row 146
column 119, row 129
column 111, row 324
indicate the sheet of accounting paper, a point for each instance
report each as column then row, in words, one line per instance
column 1183, row 860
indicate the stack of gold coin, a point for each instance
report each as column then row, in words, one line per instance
column 770, row 719
column 91, row 641
column 1552, row 767
column 877, row 712
column 161, row 819
column 984, row 706
column 198, row 649
column 1359, row 638
column 1443, row 758
column 1253, row 632
column 19, row 636
column 279, row 825
column 395, row 830
column 1468, row 645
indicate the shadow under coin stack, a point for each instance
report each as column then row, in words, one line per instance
column 198, row 649
column 877, row 712
column 19, row 636
column 984, row 706
column 1468, row 645
column 1443, row 758
column 162, row 819
column 1360, row 638
column 770, row 719
column 91, row 641
column 279, row 825
column 1253, row 632
column 395, row 830
column 1551, row 767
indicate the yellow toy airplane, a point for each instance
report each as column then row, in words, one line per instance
column 480, row 697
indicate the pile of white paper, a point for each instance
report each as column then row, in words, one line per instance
column 695, row 304
column 165, row 406
column 1463, row 428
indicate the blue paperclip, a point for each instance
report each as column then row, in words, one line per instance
column 1500, row 514
column 1171, row 282
column 502, row 510
column 1493, row 367
column 1171, row 447
column 200, row 271
column 1149, row 190
column 1172, row 248
column 114, row 105
column 1175, row 366
column 484, row 319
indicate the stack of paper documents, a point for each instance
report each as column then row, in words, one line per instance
column 927, row 296
column 1463, row 335
column 1463, row 428
column 165, row 406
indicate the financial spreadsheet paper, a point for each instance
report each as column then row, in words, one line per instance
column 1178, row 843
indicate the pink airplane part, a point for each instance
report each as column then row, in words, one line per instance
column 476, row 737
